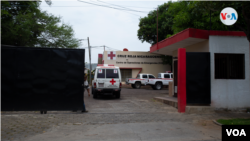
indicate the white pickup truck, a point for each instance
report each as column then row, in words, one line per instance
column 163, row 79
column 139, row 81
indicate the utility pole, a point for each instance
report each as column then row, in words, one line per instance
column 90, row 67
column 104, row 47
column 210, row 21
column 157, row 29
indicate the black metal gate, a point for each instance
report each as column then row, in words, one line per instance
column 198, row 83
column 41, row 78
column 175, row 78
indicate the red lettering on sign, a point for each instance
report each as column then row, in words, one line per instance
column 112, row 81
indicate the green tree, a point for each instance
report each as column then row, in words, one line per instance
column 188, row 14
column 24, row 24
column 148, row 25
column 14, row 29
column 181, row 15
column 55, row 34
column 242, row 8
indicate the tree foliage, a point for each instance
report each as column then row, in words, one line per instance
column 148, row 25
column 24, row 24
column 177, row 16
column 242, row 8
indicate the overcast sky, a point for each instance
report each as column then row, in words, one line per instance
column 104, row 26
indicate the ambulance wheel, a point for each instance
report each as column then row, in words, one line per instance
column 133, row 85
column 41, row 112
column 137, row 85
column 158, row 86
column 45, row 112
column 118, row 94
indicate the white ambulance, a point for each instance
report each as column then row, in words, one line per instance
column 107, row 81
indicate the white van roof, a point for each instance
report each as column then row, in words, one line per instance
column 106, row 66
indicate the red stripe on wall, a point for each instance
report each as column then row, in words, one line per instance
column 181, row 80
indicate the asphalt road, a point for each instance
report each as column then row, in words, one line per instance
column 135, row 116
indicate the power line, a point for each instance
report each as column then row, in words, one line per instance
column 120, row 6
column 96, row 47
column 70, row 6
column 112, row 48
column 123, row 5
column 113, row 7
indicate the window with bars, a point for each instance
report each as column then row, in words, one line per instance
column 229, row 66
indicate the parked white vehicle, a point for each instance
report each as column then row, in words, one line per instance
column 107, row 81
column 162, row 80
column 139, row 81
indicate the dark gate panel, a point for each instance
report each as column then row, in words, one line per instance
column 42, row 78
column 175, row 78
column 198, row 82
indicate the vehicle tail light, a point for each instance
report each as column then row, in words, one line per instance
column 94, row 85
column 120, row 85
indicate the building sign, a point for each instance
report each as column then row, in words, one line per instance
column 134, row 59
column 120, row 62
column 138, row 56
column 111, row 55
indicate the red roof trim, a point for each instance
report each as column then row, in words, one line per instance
column 106, row 66
column 193, row 33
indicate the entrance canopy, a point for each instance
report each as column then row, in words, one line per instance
column 188, row 37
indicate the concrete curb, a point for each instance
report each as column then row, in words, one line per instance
column 217, row 123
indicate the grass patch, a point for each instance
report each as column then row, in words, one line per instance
column 236, row 121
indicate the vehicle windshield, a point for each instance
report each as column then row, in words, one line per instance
column 110, row 73
column 166, row 76
column 101, row 73
column 151, row 76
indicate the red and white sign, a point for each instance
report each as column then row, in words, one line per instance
column 115, row 71
column 100, row 71
column 111, row 55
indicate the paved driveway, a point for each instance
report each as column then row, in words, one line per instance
column 135, row 116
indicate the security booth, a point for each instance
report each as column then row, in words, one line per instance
column 216, row 67
column 41, row 79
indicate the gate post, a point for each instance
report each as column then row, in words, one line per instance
column 181, row 80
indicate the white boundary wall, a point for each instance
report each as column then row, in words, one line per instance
column 230, row 93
